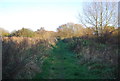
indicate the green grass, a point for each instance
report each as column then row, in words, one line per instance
column 63, row 64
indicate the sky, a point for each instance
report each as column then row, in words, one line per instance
column 33, row 14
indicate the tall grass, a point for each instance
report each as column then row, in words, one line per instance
column 71, row 58
column 23, row 57
column 63, row 63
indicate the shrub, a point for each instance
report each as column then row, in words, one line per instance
column 23, row 57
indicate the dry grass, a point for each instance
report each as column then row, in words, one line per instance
column 22, row 56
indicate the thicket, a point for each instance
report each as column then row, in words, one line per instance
column 23, row 51
column 22, row 57
column 109, row 34
column 96, row 56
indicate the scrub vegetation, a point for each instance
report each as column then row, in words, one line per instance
column 72, row 52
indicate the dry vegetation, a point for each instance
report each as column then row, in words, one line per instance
column 85, row 51
column 23, row 56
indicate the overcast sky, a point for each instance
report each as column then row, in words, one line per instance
column 33, row 14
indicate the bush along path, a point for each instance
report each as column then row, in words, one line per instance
column 63, row 64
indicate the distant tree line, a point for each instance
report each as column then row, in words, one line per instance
column 69, row 30
column 25, row 32
column 4, row 32
column 101, row 16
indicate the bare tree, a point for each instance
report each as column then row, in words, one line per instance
column 99, row 15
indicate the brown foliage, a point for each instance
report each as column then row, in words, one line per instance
column 92, row 51
column 20, row 56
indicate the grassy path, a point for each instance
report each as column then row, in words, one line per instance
column 63, row 64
